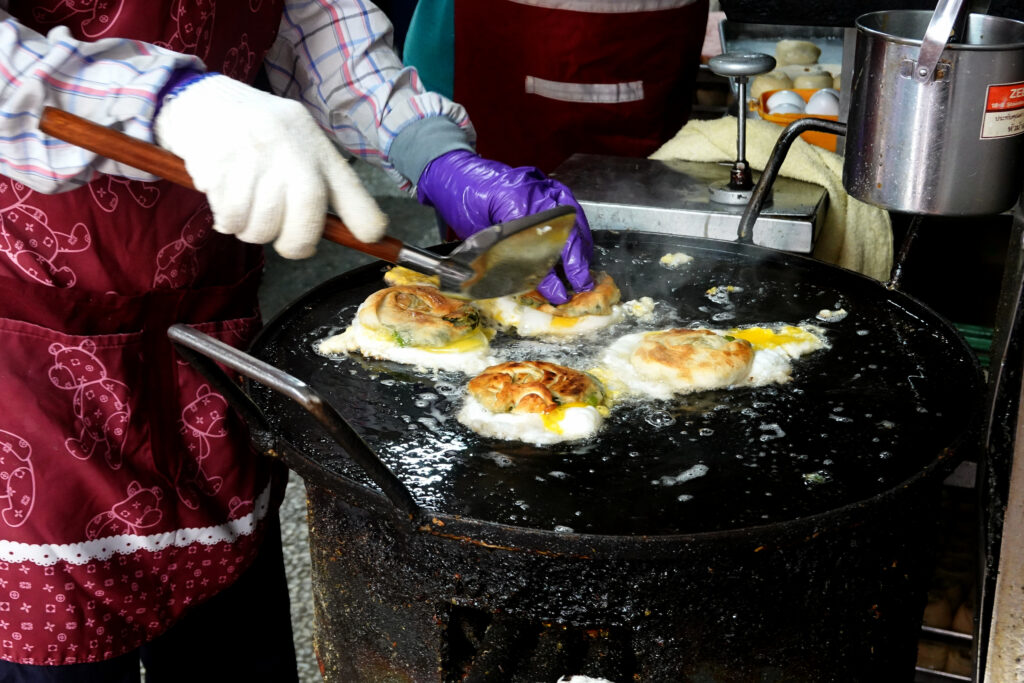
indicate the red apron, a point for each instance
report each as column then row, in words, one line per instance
column 543, row 79
column 128, row 492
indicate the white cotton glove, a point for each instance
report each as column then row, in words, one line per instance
column 266, row 167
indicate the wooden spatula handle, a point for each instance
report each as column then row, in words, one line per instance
column 158, row 161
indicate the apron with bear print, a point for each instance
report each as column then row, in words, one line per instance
column 128, row 491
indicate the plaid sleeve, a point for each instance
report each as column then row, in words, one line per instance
column 113, row 82
column 336, row 57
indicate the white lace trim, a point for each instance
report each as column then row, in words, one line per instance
column 104, row 548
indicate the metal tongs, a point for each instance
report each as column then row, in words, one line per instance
column 507, row 258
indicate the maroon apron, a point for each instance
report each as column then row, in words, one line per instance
column 128, row 492
column 543, row 79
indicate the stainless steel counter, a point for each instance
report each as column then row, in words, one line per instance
column 623, row 193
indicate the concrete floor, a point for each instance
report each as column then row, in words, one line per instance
column 284, row 282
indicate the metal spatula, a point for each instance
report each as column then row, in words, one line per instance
column 508, row 258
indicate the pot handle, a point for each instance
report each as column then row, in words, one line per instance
column 935, row 38
column 192, row 343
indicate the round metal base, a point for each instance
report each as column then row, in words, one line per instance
column 723, row 194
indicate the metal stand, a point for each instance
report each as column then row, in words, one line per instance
column 739, row 66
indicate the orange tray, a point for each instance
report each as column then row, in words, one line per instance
column 826, row 140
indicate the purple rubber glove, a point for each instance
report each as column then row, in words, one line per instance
column 472, row 193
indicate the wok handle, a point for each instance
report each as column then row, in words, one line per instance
column 190, row 339
column 146, row 157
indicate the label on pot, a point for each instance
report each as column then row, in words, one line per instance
column 1004, row 111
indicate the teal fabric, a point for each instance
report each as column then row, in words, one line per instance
column 422, row 141
column 430, row 45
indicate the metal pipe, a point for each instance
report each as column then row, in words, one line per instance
column 741, row 121
column 745, row 232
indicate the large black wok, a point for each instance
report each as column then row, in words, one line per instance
column 798, row 552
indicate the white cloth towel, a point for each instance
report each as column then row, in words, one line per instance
column 855, row 235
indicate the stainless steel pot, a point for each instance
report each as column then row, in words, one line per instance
column 936, row 128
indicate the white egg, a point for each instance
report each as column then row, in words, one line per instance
column 825, row 102
column 507, row 313
column 469, row 355
column 566, row 423
column 784, row 98
column 787, row 109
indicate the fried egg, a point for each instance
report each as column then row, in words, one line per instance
column 416, row 325
column 773, row 349
column 531, row 315
column 468, row 355
column 533, row 401
column 675, row 260
column 568, row 422
column 831, row 316
column 508, row 314
column 400, row 275
column 791, row 340
column 642, row 309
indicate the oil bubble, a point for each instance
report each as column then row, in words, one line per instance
column 659, row 418
column 706, row 431
column 446, row 388
column 564, row 529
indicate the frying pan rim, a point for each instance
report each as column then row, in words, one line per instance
column 511, row 537
column 589, row 543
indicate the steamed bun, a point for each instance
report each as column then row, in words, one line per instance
column 796, row 52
